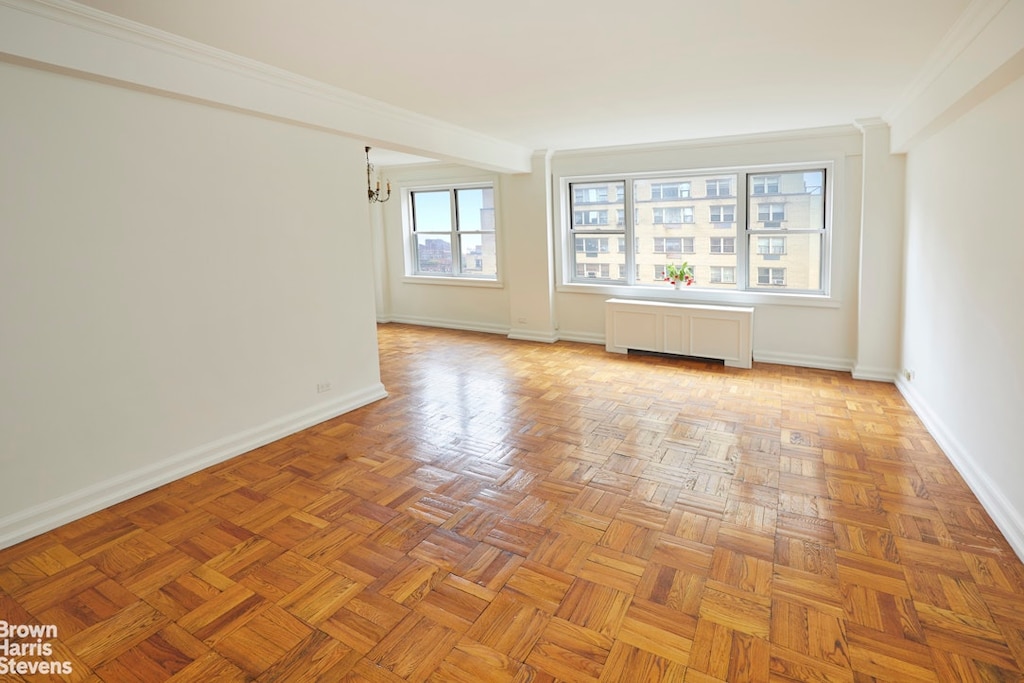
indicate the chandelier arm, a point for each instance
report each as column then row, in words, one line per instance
column 374, row 195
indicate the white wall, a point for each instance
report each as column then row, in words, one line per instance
column 963, row 332
column 175, row 280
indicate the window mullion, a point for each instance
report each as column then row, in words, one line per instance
column 628, row 231
column 742, row 235
column 456, row 241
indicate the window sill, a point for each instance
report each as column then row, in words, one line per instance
column 703, row 296
column 452, row 281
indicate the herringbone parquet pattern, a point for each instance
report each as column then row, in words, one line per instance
column 529, row 512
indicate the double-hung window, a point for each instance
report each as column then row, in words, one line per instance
column 760, row 229
column 595, row 254
column 453, row 232
column 786, row 232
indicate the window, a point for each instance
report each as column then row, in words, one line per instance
column 592, row 195
column 726, row 241
column 723, row 245
column 673, row 214
column 771, row 276
column 453, row 232
column 790, row 230
column 668, row 245
column 718, row 188
column 722, row 275
column 764, row 184
column 591, row 217
column 723, row 214
column 771, row 246
column 594, row 251
column 771, row 215
column 592, row 246
column 670, row 190
column 673, row 245
column 593, row 270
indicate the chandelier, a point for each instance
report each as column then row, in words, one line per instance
column 374, row 194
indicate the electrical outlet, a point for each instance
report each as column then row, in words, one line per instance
column 323, row 387
column 908, row 375
column 521, row 321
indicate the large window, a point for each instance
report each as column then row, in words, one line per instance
column 763, row 229
column 453, row 232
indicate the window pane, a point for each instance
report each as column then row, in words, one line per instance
column 598, row 206
column 792, row 262
column 432, row 211
column 599, row 257
column 684, row 219
column 476, row 209
column 790, row 201
column 478, row 254
column 434, row 254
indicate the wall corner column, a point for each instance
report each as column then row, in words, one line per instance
column 529, row 251
column 880, row 274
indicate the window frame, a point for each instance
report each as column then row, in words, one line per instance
column 411, row 246
column 745, row 290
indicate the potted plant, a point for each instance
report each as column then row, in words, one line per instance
column 679, row 275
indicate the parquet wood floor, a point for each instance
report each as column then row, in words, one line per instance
column 529, row 512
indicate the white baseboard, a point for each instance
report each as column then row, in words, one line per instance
column 534, row 336
column 875, row 374
column 450, row 324
column 1007, row 517
column 38, row 519
column 804, row 361
column 581, row 337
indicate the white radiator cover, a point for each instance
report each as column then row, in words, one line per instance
column 723, row 332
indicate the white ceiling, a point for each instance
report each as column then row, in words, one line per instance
column 567, row 74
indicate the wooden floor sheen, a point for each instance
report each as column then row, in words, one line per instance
column 528, row 512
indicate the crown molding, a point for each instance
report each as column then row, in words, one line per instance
column 981, row 53
column 967, row 27
column 782, row 136
column 84, row 42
